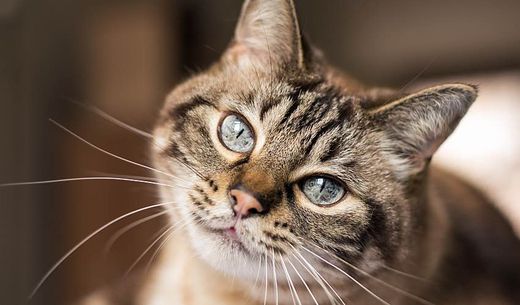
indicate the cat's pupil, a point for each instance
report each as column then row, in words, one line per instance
column 236, row 134
column 322, row 190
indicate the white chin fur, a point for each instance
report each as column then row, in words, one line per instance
column 222, row 255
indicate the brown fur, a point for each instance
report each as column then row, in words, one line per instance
column 398, row 221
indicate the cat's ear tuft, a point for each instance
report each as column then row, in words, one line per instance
column 416, row 125
column 267, row 34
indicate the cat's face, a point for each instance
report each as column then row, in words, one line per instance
column 304, row 150
column 326, row 171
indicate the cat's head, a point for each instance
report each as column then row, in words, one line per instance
column 274, row 153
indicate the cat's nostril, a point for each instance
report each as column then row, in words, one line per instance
column 245, row 203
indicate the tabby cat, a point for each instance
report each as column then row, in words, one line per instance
column 294, row 184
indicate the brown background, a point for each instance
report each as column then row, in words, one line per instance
column 124, row 56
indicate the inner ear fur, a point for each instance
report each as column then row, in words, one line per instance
column 417, row 124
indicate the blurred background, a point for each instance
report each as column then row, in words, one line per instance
column 124, row 56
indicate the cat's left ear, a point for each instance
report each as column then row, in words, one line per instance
column 267, row 35
column 416, row 125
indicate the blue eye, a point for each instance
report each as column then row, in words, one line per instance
column 322, row 190
column 236, row 135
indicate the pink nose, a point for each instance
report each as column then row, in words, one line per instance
column 245, row 203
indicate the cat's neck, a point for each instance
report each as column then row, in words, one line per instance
column 182, row 277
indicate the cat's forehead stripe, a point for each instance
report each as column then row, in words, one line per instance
column 297, row 89
column 179, row 112
column 330, row 126
column 320, row 114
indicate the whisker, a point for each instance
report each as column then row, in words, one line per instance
column 317, row 279
column 406, row 293
column 275, row 279
column 156, row 179
column 319, row 276
column 405, row 274
column 112, row 119
column 107, row 152
column 419, row 74
column 120, row 123
column 99, row 178
column 265, row 291
column 258, row 271
column 193, row 170
column 156, row 252
column 304, row 283
column 156, row 239
column 294, row 293
column 82, row 242
column 129, row 227
column 289, row 285
column 347, row 275
column 171, row 230
column 233, row 278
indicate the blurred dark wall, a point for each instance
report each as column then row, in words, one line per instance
column 381, row 42
column 123, row 56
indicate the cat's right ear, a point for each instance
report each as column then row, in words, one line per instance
column 267, row 35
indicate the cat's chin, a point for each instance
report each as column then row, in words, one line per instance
column 226, row 251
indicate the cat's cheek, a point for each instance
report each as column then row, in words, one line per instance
column 372, row 260
column 160, row 140
column 176, row 202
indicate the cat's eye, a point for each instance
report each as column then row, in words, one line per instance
column 322, row 190
column 235, row 134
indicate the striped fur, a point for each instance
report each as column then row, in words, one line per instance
column 308, row 119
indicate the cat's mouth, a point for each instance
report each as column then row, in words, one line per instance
column 229, row 235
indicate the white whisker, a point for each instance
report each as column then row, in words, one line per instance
column 139, row 177
column 265, row 292
column 129, row 227
column 113, row 120
column 406, row 293
column 347, row 275
column 275, row 279
column 155, row 241
column 294, row 293
column 126, row 126
column 171, row 230
column 415, row 277
column 100, row 178
column 82, row 242
column 323, row 280
column 156, row 252
column 293, row 298
column 316, row 278
column 303, row 281
column 107, row 152
column 258, row 271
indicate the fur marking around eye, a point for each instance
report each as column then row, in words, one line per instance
column 179, row 113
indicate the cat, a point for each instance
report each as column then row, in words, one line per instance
column 293, row 183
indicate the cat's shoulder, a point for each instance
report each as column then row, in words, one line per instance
column 468, row 207
column 483, row 245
